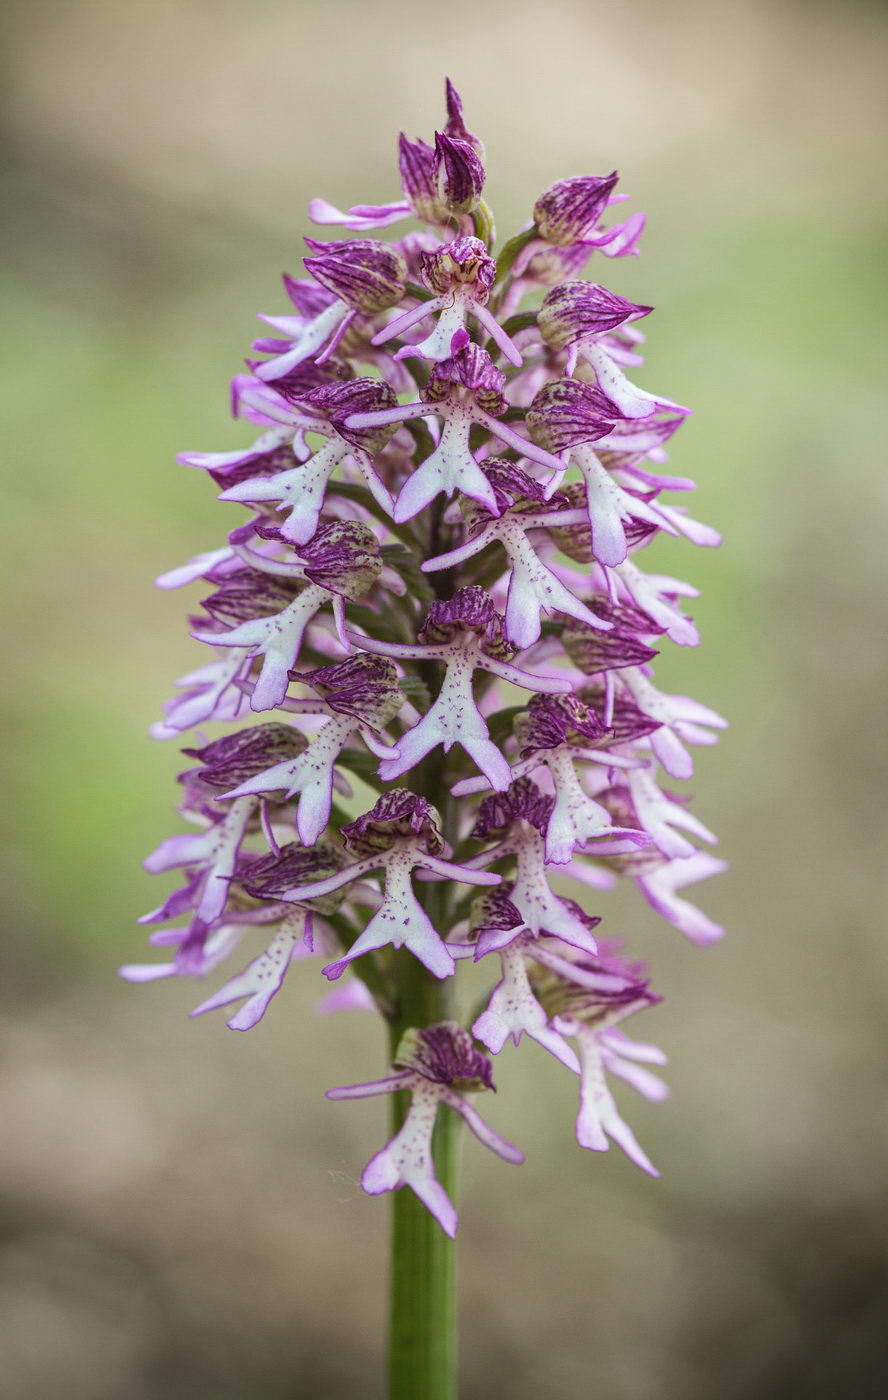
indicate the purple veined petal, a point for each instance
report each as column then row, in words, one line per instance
column 389, row 1085
column 196, row 568
column 360, row 217
column 482, row 1131
column 660, row 887
column 513, row 1011
column 261, row 980
column 450, row 468
column 548, row 685
column 598, row 1118
column 498, row 335
column 400, row 921
column 405, row 320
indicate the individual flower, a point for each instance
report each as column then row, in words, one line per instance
column 438, row 1065
column 402, row 831
column 301, row 488
column 360, row 693
column 466, row 633
column 464, row 390
column 533, row 588
column 341, row 561
column 460, row 276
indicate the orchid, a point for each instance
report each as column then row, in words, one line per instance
column 432, row 651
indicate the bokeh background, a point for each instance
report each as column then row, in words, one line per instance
column 180, row 1210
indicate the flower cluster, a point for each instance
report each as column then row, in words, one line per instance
column 436, row 593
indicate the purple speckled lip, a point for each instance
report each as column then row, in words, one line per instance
column 432, row 647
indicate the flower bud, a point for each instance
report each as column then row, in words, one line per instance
column 363, row 272
column 568, row 412
column 569, row 210
column 365, row 687
column 578, row 309
column 343, row 557
column 236, row 758
column 460, row 174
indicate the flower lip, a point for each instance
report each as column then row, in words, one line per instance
column 444, row 1054
column 398, row 814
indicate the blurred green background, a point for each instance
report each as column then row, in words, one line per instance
column 180, row 1210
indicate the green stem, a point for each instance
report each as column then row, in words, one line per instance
column 422, row 1289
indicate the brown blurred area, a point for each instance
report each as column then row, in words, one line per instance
column 180, row 1211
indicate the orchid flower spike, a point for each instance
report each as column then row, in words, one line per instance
column 429, row 725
